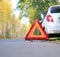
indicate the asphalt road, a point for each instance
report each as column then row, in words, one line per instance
column 22, row 48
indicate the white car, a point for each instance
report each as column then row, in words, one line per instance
column 51, row 22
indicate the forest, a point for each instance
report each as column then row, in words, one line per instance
column 10, row 26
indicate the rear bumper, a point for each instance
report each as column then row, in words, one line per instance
column 53, row 29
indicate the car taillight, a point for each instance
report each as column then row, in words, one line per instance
column 49, row 18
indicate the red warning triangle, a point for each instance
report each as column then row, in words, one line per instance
column 31, row 36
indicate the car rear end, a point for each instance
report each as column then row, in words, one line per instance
column 52, row 24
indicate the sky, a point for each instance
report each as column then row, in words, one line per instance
column 24, row 20
column 59, row 0
column 14, row 5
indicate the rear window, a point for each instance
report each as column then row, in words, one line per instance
column 55, row 9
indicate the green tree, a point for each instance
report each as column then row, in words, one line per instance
column 35, row 7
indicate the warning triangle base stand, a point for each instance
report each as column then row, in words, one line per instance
column 31, row 36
